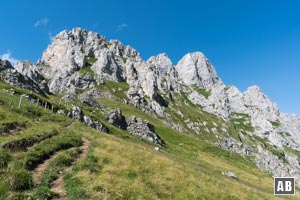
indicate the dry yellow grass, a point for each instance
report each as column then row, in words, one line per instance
column 133, row 170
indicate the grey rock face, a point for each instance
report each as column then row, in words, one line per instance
column 195, row 69
column 32, row 71
column 95, row 124
column 4, row 64
column 235, row 146
column 107, row 68
column 66, row 55
column 72, row 50
column 269, row 162
column 14, row 78
column 144, row 130
column 88, row 99
column 116, row 118
column 77, row 114
column 68, row 51
column 167, row 78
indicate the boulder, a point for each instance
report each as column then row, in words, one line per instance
column 95, row 124
column 143, row 129
column 116, row 118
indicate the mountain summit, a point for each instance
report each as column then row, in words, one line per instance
column 195, row 69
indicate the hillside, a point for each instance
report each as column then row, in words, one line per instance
column 92, row 120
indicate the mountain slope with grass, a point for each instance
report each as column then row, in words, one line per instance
column 92, row 120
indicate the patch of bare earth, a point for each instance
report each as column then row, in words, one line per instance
column 57, row 186
column 38, row 171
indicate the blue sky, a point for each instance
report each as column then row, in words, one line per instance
column 248, row 42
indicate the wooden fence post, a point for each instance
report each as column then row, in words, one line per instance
column 11, row 103
column 20, row 101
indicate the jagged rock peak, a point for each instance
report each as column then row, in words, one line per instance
column 161, row 60
column 195, row 69
column 257, row 96
column 5, row 64
column 69, row 48
column 167, row 77
column 79, row 35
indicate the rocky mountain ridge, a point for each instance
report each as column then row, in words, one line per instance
column 78, row 62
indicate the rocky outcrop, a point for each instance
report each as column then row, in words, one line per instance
column 77, row 114
column 195, row 69
column 69, row 50
column 4, row 64
column 73, row 51
column 32, row 71
column 143, row 129
column 89, row 96
column 12, row 77
column 235, row 146
column 95, row 124
column 288, row 166
column 116, row 118
column 167, row 78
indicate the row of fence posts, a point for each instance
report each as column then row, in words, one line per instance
column 37, row 103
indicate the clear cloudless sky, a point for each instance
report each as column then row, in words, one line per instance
column 253, row 42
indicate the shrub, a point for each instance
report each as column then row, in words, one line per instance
column 3, row 189
column 46, row 148
column 20, row 180
column 5, row 158
column 43, row 192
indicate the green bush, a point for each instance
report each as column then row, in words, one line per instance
column 44, row 192
column 67, row 158
column 20, row 180
column 5, row 158
column 44, row 149
column 3, row 189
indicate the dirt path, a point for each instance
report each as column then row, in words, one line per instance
column 38, row 171
column 57, row 186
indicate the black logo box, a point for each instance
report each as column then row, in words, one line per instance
column 284, row 185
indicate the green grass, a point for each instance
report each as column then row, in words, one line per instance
column 241, row 122
column 273, row 149
column 90, row 61
column 276, row 124
column 44, row 149
column 21, row 144
column 197, row 155
column 5, row 158
column 87, row 70
column 204, row 92
column 20, row 180
column 120, row 166
column 131, row 170
column 123, row 58
column 118, row 89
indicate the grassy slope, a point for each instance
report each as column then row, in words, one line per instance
column 123, row 167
